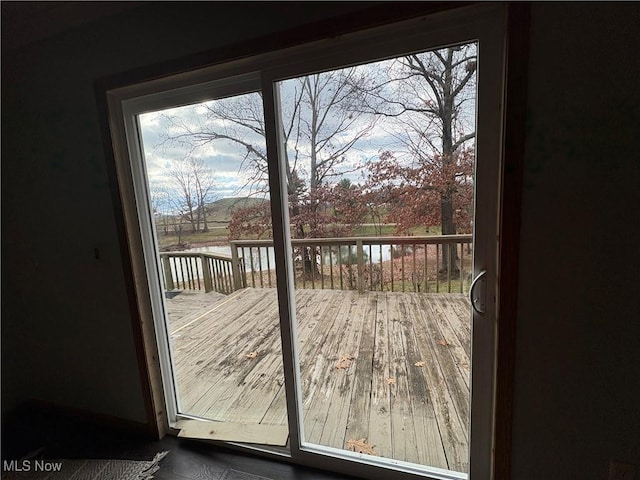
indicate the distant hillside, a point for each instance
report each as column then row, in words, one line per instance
column 221, row 210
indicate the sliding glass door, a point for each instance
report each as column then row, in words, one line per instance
column 202, row 189
column 318, row 229
column 204, row 167
column 380, row 163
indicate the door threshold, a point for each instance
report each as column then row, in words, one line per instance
column 272, row 435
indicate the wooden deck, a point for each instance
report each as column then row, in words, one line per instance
column 402, row 385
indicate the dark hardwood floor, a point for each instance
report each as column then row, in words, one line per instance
column 54, row 436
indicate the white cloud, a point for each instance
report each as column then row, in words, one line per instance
column 226, row 157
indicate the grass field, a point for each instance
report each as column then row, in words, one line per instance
column 219, row 214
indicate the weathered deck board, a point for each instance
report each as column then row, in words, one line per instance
column 324, row 374
column 360, row 401
column 204, row 379
column 259, row 385
column 333, row 432
column 316, row 305
column 431, row 450
column 421, row 416
column 452, row 375
column 380, row 414
column 452, row 431
column 403, row 428
column 186, row 303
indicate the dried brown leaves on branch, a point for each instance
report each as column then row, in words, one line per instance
column 327, row 211
column 422, row 185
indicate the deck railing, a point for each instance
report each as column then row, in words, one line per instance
column 202, row 271
column 398, row 264
column 407, row 264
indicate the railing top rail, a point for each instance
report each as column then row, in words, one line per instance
column 396, row 240
column 215, row 256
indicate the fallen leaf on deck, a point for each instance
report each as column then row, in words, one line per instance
column 345, row 362
column 443, row 343
column 252, row 354
column 360, row 446
column 419, row 364
column 391, row 381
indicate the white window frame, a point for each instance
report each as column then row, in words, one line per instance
column 482, row 23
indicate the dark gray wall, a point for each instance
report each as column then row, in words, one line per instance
column 66, row 329
column 577, row 395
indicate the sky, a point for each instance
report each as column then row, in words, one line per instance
column 226, row 158
column 232, row 177
column 223, row 158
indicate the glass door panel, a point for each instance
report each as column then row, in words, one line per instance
column 379, row 162
column 205, row 170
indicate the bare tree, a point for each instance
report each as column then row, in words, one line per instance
column 318, row 125
column 205, row 182
column 175, row 220
column 160, row 205
column 179, row 176
column 331, row 128
column 429, row 99
column 167, row 210
column 193, row 183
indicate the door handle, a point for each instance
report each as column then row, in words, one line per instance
column 477, row 303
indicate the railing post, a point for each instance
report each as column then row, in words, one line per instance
column 235, row 267
column 168, row 276
column 206, row 273
column 360, row 254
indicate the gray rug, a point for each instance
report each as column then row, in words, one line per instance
column 39, row 469
column 230, row 474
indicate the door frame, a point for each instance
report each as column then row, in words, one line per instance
column 133, row 259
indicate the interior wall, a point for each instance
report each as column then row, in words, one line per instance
column 66, row 327
column 577, row 398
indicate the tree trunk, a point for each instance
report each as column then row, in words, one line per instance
column 449, row 261
column 449, row 264
column 205, row 224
